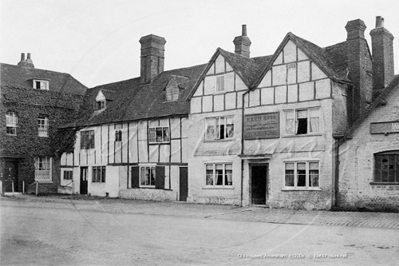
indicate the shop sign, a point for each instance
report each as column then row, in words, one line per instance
column 262, row 126
column 384, row 127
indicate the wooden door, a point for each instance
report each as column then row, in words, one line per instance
column 83, row 180
column 10, row 175
column 183, row 187
column 259, row 184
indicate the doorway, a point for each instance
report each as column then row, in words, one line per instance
column 183, row 185
column 258, row 183
column 83, row 180
column 10, row 175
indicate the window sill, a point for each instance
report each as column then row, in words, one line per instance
column 384, row 183
column 97, row 183
column 303, row 135
column 218, row 187
column 159, row 143
column 44, row 181
column 219, row 140
column 150, row 187
column 301, row 189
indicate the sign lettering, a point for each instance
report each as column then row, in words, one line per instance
column 262, row 126
column 384, row 127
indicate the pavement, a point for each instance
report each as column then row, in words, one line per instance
column 226, row 212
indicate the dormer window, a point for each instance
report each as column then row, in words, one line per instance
column 172, row 94
column 40, row 84
column 100, row 105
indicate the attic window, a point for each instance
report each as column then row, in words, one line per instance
column 40, row 84
column 100, row 105
column 220, row 83
column 172, row 94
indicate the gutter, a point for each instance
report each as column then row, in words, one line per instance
column 242, row 144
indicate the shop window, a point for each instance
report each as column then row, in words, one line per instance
column 158, row 134
column 87, row 139
column 43, row 167
column 219, row 128
column 147, row 176
column 386, row 169
column 43, row 126
column 11, row 123
column 304, row 121
column 99, row 174
column 68, row 175
column 219, row 175
column 301, row 174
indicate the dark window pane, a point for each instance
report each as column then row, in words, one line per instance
column 302, row 126
column 377, row 169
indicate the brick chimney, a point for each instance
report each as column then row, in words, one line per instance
column 152, row 57
column 383, row 63
column 360, row 69
column 28, row 63
column 242, row 43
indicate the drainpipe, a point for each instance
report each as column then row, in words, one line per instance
column 242, row 144
column 336, row 172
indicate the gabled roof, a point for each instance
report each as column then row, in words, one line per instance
column 17, row 76
column 135, row 101
column 331, row 60
column 248, row 69
column 380, row 100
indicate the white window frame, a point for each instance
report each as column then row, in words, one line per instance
column 217, row 125
column 152, row 135
column 213, row 177
column 143, row 176
column 90, row 139
column 43, row 126
column 100, row 105
column 295, row 122
column 118, row 135
column 307, row 173
column 44, row 84
column 43, row 169
column 11, row 123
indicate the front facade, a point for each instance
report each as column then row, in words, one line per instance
column 34, row 103
column 244, row 131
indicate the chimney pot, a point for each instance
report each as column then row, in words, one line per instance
column 379, row 22
column 22, row 57
column 244, row 30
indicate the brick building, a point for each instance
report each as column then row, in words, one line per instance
column 34, row 102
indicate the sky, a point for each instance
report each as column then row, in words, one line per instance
column 97, row 41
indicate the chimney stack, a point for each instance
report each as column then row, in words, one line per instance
column 26, row 63
column 383, row 63
column 359, row 66
column 152, row 57
column 242, row 43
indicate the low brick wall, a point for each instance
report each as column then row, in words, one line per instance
column 148, row 194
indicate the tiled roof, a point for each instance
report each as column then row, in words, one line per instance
column 134, row 101
column 381, row 99
column 12, row 75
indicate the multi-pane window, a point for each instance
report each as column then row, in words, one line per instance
column 98, row 175
column 219, row 83
column 386, row 167
column 303, row 121
column 172, row 93
column 43, row 169
column 118, row 135
column 41, row 84
column 11, row 123
column 42, row 126
column 87, row 139
column 158, row 134
column 302, row 174
column 219, row 174
column 147, row 176
column 68, row 175
column 219, row 128
column 100, row 105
